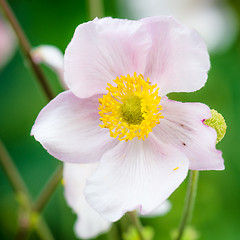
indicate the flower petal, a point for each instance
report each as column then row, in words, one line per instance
column 204, row 16
column 183, row 128
column 51, row 56
column 68, row 127
column 135, row 175
column 178, row 61
column 161, row 210
column 89, row 224
column 101, row 50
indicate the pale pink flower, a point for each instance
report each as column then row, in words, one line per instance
column 142, row 172
column 7, row 43
column 89, row 223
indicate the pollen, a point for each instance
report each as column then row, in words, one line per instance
column 131, row 108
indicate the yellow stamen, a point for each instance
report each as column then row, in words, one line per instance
column 175, row 168
column 131, row 108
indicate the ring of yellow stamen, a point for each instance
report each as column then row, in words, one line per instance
column 131, row 108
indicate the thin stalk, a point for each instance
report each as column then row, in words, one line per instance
column 189, row 203
column 11, row 171
column 8, row 165
column 48, row 190
column 95, row 8
column 27, row 224
column 136, row 221
column 26, row 48
column 114, row 233
column 42, row 229
column 21, row 191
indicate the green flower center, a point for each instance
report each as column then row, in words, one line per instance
column 131, row 110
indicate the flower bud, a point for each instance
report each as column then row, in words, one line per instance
column 190, row 233
column 132, row 233
column 218, row 123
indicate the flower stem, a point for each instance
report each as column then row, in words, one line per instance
column 7, row 163
column 189, row 202
column 42, row 230
column 12, row 172
column 136, row 221
column 95, row 8
column 26, row 48
column 22, row 192
column 114, row 232
column 48, row 190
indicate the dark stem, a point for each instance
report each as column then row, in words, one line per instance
column 95, row 8
column 135, row 220
column 26, row 49
column 115, row 232
column 11, row 171
column 8, row 165
column 48, row 190
column 24, row 197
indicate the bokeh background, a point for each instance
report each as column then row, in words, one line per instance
column 217, row 209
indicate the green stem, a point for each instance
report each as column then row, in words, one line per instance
column 114, row 232
column 42, row 229
column 26, row 48
column 11, row 171
column 189, row 202
column 95, row 8
column 136, row 221
column 8, row 165
column 48, row 190
column 22, row 193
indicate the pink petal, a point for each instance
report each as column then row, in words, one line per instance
column 68, row 128
column 183, row 128
column 135, row 175
column 178, row 61
column 101, row 50
column 51, row 56
column 160, row 210
column 89, row 224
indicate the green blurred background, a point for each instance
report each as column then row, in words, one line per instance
column 217, row 210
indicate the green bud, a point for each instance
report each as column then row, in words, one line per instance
column 190, row 233
column 132, row 233
column 218, row 123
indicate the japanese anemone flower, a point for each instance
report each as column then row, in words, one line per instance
column 116, row 112
column 89, row 223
